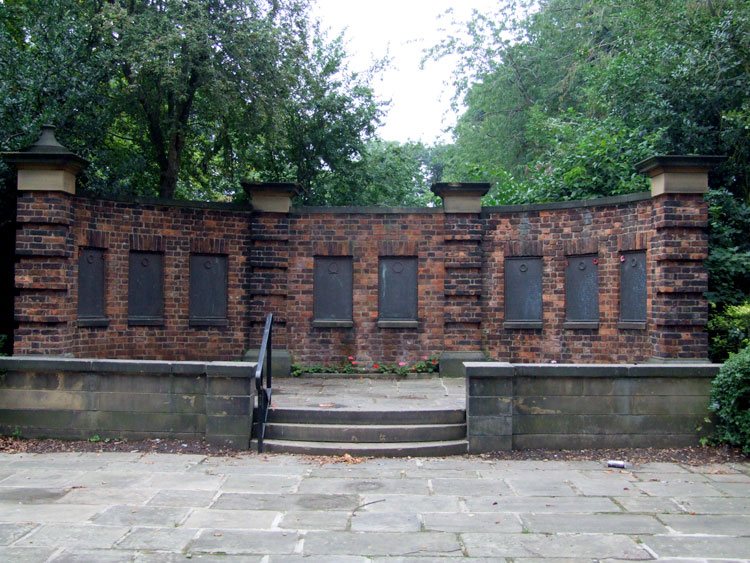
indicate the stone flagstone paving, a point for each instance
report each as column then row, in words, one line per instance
column 111, row 507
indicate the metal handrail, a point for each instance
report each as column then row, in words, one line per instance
column 263, row 392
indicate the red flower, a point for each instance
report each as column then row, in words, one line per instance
column 376, row 366
column 354, row 363
column 350, row 358
column 425, row 357
column 434, row 361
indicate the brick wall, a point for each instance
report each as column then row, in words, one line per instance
column 460, row 261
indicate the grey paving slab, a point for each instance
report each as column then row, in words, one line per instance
column 107, row 496
column 171, row 539
column 185, row 481
column 318, row 559
column 47, row 513
column 538, row 545
column 466, row 487
column 231, row 519
column 409, row 503
column 472, row 522
column 382, row 543
column 41, row 479
column 141, row 516
column 29, row 495
column 244, row 542
column 676, row 488
column 714, row 505
column 11, row 532
column 252, row 483
column 26, row 554
column 250, row 501
column 364, row 486
column 182, row 498
column 112, row 479
column 541, row 486
column 652, row 505
column 315, row 520
column 543, row 504
column 73, row 535
column 593, row 524
column 166, row 557
column 691, row 547
column 385, row 522
column 734, row 489
column 713, row 524
column 93, row 556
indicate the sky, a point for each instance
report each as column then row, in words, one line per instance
column 402, row 29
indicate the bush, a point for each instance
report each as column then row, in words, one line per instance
column 729, row 330
column 730, row 400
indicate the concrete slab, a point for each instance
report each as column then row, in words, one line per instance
column 47, row 513
column 364, row 486
column 472, row 522
column 249, row 501
column 593, row 524
column 26, row 554
column 692, row 547
column 315, row 520
column 91, row 555
column 538, row 545
column 385, row 522
column 382, row 543
column 714, row 505
column 11, row 532
column 714, row 524
column 73, row 535
column 244, row 542
column 141, row 516
column 199, row 499
column 164, row 539
column 231, row 519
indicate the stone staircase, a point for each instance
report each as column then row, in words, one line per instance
column 387, row 433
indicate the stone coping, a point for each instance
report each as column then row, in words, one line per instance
column 57, row 363
column 504, row 369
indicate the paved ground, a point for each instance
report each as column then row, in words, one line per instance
column 370, row 393
column 157, row 507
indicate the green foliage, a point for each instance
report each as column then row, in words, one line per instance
column 564, row 96
column 730, row 400
column 3, row 341
column 730, row 331
column 428, row 364
column 184, row 98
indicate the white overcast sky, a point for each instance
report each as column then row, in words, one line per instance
column 420, row 99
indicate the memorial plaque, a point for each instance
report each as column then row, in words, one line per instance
column 91, row 284
column 208, row 289
column 333, row 288
column 146, row 289
column 523, row 289
column 397, row 289
column 582, row 289
column 633, row 286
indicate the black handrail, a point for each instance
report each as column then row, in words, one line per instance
column 264, row 392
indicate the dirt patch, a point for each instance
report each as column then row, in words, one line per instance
column 697, row 455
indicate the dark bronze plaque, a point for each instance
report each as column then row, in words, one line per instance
column 91, row 284
column 208, row 289
column 146, row 289
column 633, row 286
column 582, row 289
column 333, row 288
column 397, row 288
column 523, row 289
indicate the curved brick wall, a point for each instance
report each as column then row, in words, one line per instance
column 270, row 262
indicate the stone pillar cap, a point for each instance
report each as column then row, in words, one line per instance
column 700, row 163
column 290, row 188
column 46, row 150
column 271, row 197
column 441, row 189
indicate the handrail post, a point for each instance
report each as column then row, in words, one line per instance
column 264, row 392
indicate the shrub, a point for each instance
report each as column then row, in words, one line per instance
column 730, row 331
column 730, row 400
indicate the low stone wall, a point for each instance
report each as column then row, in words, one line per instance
column 129, row 399
column 571, row 406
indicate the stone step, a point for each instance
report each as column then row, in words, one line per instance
column 352, row 417
column 393, row 449
column 359, row 433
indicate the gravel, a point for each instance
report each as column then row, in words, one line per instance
column 694, row 455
